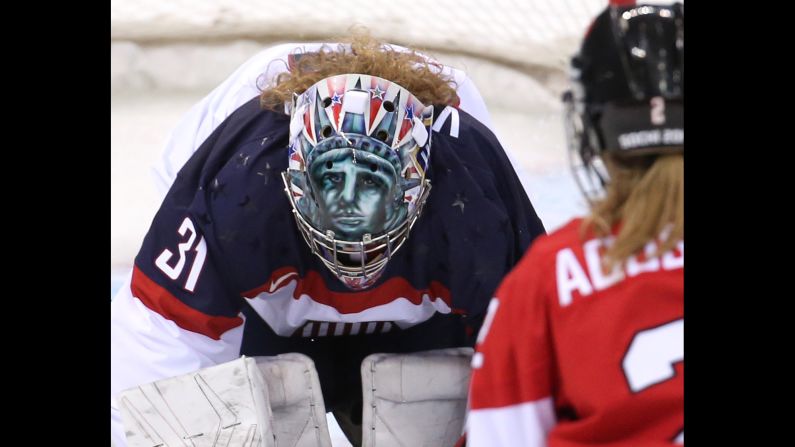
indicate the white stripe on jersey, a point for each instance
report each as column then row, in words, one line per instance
column 285, row 314
column 440, row 120
column 525, row 424
column 339, row 329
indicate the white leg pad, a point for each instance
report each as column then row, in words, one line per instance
column 299, row 413
column 416, row 399
column 223, row 405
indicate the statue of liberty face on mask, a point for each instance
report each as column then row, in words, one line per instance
column 355, row 192
column 359, row 149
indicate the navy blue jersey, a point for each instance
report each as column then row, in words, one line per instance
column 224, row 249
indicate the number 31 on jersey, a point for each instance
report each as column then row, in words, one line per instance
column 163, row 261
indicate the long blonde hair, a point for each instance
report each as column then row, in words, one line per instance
column 363, row 55
column 645, row 196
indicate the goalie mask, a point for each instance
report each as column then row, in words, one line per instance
column 627, row 90
column 359, row 149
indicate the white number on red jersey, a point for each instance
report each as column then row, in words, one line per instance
column 652, row 354
column 651, row 357
column 477, row 359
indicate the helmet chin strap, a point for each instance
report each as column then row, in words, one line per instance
column 367, row 257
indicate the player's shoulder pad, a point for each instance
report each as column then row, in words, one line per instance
column 457, row 133
column 249, row 123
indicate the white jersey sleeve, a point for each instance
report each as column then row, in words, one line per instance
column 145, row 347
column 199, row 122
column 526, row 424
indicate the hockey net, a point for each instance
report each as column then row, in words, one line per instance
column 531, row 37
column 520, row 33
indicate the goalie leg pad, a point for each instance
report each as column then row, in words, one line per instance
column 296, row 400
column 249, row 402
column 226, row 404
column 416, row 399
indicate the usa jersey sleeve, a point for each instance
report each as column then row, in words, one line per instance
column 513, row 369
column 178, row 311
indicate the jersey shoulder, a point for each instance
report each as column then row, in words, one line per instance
column 451, row 122
column 220, row 204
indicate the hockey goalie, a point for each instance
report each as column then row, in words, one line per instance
column 338, row 229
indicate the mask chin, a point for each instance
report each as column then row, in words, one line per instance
column 358, row 264
column 373, row 251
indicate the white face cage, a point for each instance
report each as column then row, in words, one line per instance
column 360, row 113
column 373, row 253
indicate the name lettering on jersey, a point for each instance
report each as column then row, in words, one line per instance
column 571, row 275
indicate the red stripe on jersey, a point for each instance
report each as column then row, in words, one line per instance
column 352, row 302
column 162, row 302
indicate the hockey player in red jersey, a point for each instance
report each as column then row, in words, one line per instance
column 583, row 342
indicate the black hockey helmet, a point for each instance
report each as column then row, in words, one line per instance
column 627, row 90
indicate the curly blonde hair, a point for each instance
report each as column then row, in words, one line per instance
column 363, row 54
column 646, row 196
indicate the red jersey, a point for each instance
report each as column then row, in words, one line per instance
column 571, row 355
